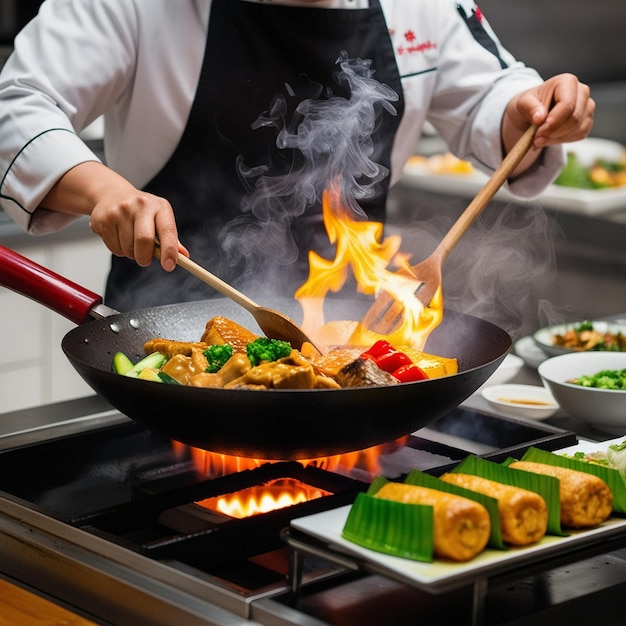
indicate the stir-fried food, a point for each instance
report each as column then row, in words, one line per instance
column 232, row 357
column 601, row 174
column 585, row 337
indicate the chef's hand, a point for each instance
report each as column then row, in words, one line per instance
column 561, row 108
column 127, row 219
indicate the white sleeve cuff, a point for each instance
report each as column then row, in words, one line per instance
column 487, row 144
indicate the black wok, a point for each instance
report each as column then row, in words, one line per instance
column 273, row 424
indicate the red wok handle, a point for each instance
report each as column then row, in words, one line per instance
column 46, row 287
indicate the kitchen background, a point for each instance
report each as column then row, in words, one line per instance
column 589, row 248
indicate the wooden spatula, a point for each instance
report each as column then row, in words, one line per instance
column 274, row 324
column 385, row 314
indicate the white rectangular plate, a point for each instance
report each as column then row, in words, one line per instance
column 442, row 575
column 584, row 201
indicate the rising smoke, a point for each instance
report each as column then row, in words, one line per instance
column 499, row 269
column 495, row 272
column 330, row 140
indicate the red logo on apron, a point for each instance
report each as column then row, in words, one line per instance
column 410, row 45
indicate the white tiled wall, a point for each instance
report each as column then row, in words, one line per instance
column 33, row 368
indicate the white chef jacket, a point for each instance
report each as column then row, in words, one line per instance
column 137, row 63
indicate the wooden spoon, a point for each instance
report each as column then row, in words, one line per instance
column 385, row 314
column 274, row 324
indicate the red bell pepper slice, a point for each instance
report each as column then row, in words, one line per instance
column 396, row 363
column 392, row 361
column 409, row 373
column 380, row 348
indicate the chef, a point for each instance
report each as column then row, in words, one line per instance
column 205, row 102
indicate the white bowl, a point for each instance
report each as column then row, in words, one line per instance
column 603, row 409
column 508, row 369
column 529, row 401
column 543, row 337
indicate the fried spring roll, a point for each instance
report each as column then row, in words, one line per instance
column 523, row 514
column 586, row 500
column 461, row 526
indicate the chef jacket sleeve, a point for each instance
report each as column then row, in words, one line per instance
column 68, row 67
column 466, row 79
column 472, row 56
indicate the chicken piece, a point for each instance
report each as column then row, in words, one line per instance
column 183, row 368
column 364, row 373
column 220, row 330
column 170, row 348
column 238, row 365
column 235, row 367
column 207, row 379
column 325, row 382
column 292, row 372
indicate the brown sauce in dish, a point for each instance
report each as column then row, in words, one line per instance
column 528, row 402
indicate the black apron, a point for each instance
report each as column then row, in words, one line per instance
column 261, row 62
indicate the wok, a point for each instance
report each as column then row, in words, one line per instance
column 272, row 424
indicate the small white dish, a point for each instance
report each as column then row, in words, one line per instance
column 530, row 352
column 529, row 401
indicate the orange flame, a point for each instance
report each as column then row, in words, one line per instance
column 359, row 247
column 279, row 493
column 276, row 494
column 215, row 464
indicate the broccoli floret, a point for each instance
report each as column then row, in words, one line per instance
column 264, row 349
column 584, row 326
column 217, row 356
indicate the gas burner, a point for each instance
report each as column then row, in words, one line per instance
column 180, row 524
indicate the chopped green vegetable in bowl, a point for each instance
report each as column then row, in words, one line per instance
column 604, row 379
